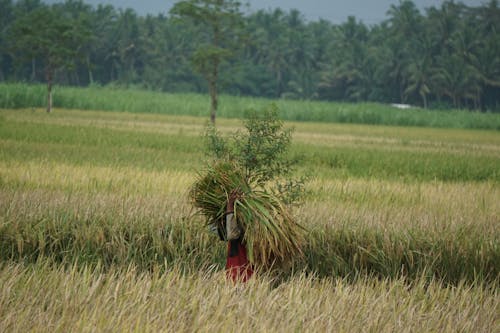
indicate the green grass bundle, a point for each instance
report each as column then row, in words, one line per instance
column 270, row 232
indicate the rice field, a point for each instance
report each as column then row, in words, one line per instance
column 97, row 234
column 43, row 298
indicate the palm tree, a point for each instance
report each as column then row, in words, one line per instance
column 348, row 76
column 420, row 69
column 405, row 23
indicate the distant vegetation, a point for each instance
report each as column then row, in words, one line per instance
column 190, row 104
column 445, row 57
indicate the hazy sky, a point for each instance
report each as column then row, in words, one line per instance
column 337, row 11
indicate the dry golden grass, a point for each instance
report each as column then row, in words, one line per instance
column 51, row 175
column 433, row 206
column 43, row 298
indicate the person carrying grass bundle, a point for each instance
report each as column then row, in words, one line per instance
column 238, row 267
column 244, row 193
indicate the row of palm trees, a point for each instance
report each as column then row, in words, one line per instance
column 445, row 56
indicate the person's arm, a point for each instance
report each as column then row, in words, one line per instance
column 232, row 229
column 230, row 202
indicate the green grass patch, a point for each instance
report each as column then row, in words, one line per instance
column 138, row 101
column 80, row 144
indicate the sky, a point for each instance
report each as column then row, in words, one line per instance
column 336, row 11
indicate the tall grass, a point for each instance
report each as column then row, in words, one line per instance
column 44, row 297
column 108, row 230
column 18, row 95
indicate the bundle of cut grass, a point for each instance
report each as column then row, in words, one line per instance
column 270, row 232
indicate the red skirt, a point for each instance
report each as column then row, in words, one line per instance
column 238, row 268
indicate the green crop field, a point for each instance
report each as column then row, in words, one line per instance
column 140, row 101
column 97, row 234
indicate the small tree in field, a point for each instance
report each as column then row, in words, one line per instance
column 222, row 18
column 47, row 35
column 262, row 152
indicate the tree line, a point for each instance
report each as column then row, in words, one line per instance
column 446, row 56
